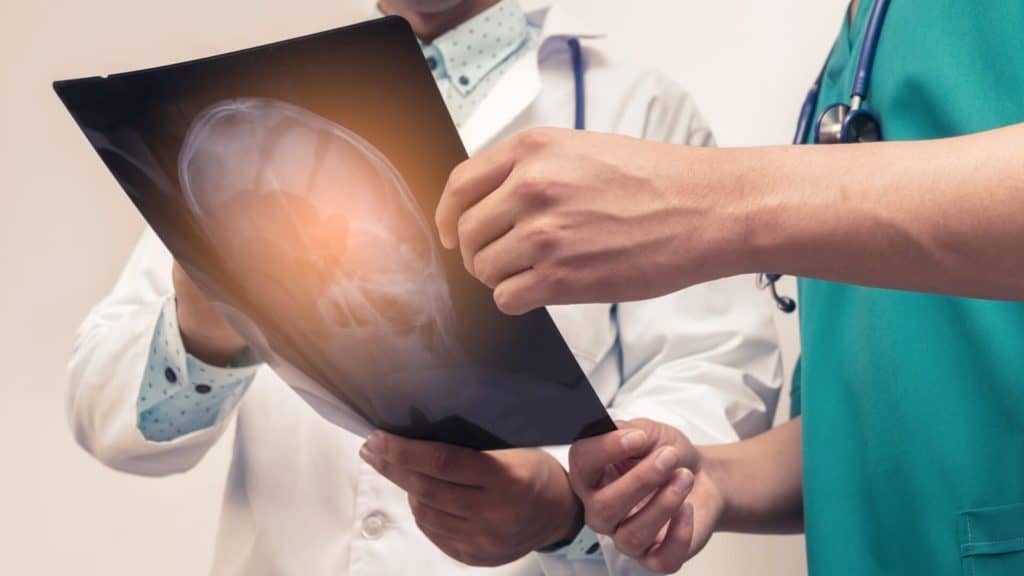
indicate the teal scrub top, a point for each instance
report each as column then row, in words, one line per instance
column 913, row 405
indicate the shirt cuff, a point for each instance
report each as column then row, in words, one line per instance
column 584, row 547
column 181, row 394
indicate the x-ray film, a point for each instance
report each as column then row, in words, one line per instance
column 296, row 184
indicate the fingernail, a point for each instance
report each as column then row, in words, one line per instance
column 667, row 459
column 366, row 455
column 634, row 439
column 375, row 443
column 682, row 483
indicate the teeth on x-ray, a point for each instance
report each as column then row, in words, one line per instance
column 324, row 229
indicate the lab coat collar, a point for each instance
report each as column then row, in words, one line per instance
column 520, row 84
column 556, row 22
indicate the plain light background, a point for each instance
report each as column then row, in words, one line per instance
column 66, row 229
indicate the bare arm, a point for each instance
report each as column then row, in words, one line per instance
column 660, row 498
column 760, row 480
column 556, row 217
column 944, row 216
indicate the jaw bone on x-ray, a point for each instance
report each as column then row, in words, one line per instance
column 292, row 182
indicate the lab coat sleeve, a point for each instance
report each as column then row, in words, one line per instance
column 704, row 360
column 108, row 364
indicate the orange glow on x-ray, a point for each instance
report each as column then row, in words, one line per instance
column 325, row 230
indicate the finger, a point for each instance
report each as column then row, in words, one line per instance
column 640, row 531
column 505, row 257
column 674, row 549
column 437, row 521
column 455, row 499
column 610, row 505
column 443, row 461
column 468, row 183
column 483, row 223
column 589, row 457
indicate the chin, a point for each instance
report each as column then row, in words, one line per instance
column 426, row 6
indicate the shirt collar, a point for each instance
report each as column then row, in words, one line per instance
column 469, row 52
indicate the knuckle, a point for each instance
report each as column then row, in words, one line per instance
column 520, row 478
column 462, row 226
column 630, row 543
column 457, row 177
column 484, row 270
column 506, row 300
column 598, row 522
column 555, row 278
column 599, row 515
column 533, row 139
column 543, row 236
column 534, row 184
column 417, row 487
column 512, row 300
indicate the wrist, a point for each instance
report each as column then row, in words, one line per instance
column 718, row 188
column 570, row 517
column 212, row 344
column 786, row 207
column 715, row 466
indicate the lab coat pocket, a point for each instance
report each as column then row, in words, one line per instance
column 992, row 541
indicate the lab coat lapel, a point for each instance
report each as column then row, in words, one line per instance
column 512, row 94
column 521, row 84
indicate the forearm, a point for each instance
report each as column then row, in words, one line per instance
column 943, row 216
column 760, row 481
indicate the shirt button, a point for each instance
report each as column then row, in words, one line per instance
column 373, row 526
column 170, row 375
column 464, row 80
column 203, row 388
column 432, row 62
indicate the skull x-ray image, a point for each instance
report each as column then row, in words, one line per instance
column 296, row 183
column 326, row 232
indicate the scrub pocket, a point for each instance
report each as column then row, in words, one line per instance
column 992, row 541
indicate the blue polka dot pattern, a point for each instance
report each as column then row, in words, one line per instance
column 584, row 547
column 467, row 60
column 168, row 405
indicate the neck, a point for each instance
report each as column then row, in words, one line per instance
column 429, row 25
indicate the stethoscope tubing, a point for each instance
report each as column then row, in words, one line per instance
column 578, row 71
column 858, row 92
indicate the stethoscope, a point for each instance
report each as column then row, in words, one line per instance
column 840, row 123
column 576, row 55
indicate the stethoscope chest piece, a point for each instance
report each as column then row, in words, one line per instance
column 838, row 124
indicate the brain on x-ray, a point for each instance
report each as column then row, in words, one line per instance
column 324, row 231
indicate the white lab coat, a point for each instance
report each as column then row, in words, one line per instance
column 300, row 501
